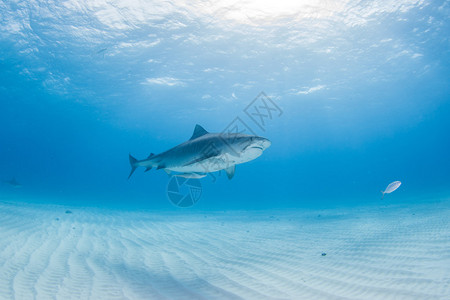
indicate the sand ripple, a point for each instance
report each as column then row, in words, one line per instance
column 390, row 253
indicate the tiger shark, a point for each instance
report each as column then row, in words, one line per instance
column 204, row 153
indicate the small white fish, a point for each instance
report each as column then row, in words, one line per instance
column 390, row 188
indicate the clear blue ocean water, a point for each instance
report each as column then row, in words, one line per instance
column 363, row 91
column 353, row 95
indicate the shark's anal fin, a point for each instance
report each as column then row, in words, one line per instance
column 198, row 132
column 230, row 171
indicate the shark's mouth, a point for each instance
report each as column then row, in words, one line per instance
column 256, row 147
column 251, row 152
column 253, row 149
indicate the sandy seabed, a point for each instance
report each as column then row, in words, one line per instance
column 397, row 252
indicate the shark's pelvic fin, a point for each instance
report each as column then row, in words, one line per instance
column 230, row 171
column 198, row 132
column 148, row 169
column 167, row 171
column 133, row 162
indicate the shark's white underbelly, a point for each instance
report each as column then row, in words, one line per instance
column 217, row 163
column 206, row 166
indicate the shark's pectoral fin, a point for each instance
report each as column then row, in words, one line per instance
column 230, row 171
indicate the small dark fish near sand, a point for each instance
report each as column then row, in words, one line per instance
column 13, row 182
column 390, row 188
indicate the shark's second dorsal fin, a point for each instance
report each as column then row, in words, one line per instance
column 198, row 132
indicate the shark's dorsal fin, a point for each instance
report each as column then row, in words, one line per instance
column 198, row 132
column 150, row 156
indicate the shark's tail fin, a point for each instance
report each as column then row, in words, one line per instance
column 133, row 162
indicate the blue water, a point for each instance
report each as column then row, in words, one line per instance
column 363, row 91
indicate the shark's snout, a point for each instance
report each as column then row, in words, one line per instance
column 265, row 143
column 254, row 148
column 262, row 143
